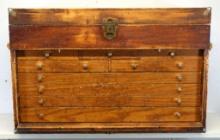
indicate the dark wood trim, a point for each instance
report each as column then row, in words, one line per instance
column 14, row 86
column 109, row 128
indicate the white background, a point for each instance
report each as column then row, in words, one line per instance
column 214, row 63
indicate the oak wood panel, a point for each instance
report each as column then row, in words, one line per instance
column 110, row 101
column 32, row 37
column 95, row 16
column 140, row 89
column 111, row 78
column 187, row 63
column 61, row 64
column 179, row 63
column 110, row 114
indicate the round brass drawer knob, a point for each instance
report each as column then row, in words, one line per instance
column 41, row 101
column 179, row 89
column 41, row 115
column 109, row 54
column 39, row 65
column 40, row 88
column 178, row 100
column 179, row 77
column 134, row 66
column 172, row 54
column 85, row 66
column 40, row 77
column 178, row 114
column 179, row 65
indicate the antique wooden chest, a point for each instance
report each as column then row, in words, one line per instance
column 109, row 70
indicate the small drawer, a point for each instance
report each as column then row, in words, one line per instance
column 93, row 65
column 180, row 64
column 132, row 65
column 55, row 64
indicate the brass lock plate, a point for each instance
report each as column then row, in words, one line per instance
column 109, row 27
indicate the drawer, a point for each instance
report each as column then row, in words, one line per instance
column 110, row 114
column 63, row 64
column 49, row 88
column 156, row 60
column 82, row 83
column 110, row 101
column 112, row 78
column 134, row 65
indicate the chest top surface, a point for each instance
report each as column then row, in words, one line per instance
column 109, row 28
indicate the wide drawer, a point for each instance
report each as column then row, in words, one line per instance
column 105, row 89
column 110, row 101
column 110, row 114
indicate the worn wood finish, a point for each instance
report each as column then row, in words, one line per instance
column 31, row 37
column 66, row 64
column 110, row 114
column 112, row 78
column 104, row 89
column 67, row 77
column 109, row 127
column 72, row 64
column 95, row 16
column 157, row 64
column 110, row 101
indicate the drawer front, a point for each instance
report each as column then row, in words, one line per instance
column 134, row 65
column 110, row 101
column 105, row 89
column 112, row 78
column 64, row 64
column 163, row 64
column 110, row 114
column 156, row 60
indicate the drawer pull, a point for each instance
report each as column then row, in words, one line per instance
column 177, row 114
column 46, row 54
column 134, row 66
column 39, row 77
column 172, row 54
column 109, row 54
column 40, row 115
column 179, row 89
column 40, row 89
column 179, row 65
column 178, row 100
column 41, row 101
column 85, row 66
column 39, row 65
column 179, row 77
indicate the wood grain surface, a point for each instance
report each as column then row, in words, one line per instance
column 110, row 114
column 90, row 37
column 95, row 16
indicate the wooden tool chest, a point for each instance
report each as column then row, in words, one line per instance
column 109, row 70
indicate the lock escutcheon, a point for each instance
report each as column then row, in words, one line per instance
column 109, row 27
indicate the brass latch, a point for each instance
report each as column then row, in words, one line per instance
column 109, row 27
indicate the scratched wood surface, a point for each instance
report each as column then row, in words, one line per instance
column 95, row 16
column 111, row 101
column 86, row 37
column 110, row 114
column 105, row 89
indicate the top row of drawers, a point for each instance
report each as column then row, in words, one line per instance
column 112, row 60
